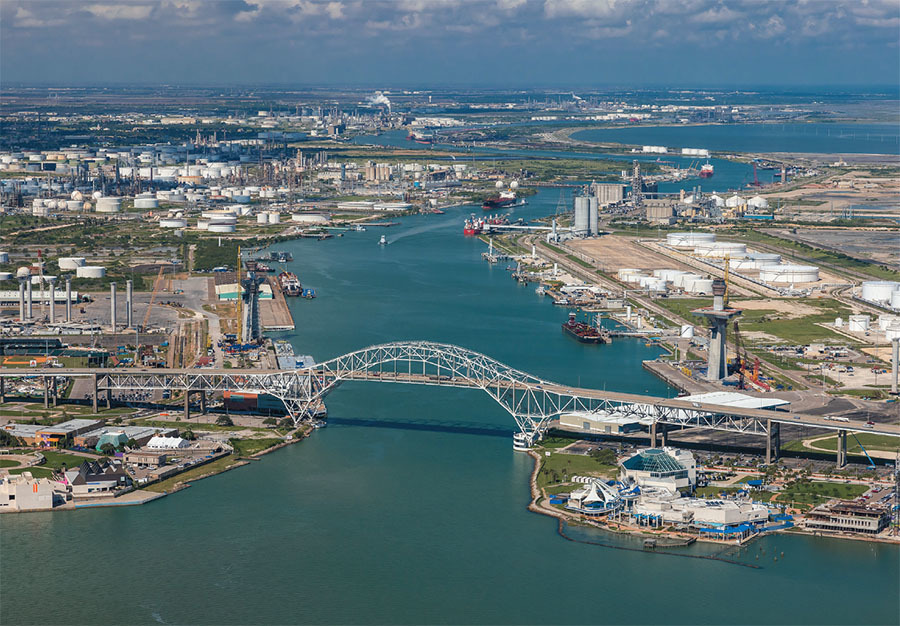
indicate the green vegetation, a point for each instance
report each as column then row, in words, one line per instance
column 37, row 471
column 248, row 447
column 813, row 493
column 713, row 491
column 560, row 467
column 8, row 463
column 556, row 442
column 210, row 254
column 213, row 467
column 869, row 442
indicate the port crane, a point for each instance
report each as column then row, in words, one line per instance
column 156, row 285
column 859, row 443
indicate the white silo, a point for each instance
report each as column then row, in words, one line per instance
column 582, row 224
column 594, row 216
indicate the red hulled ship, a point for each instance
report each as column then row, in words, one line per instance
column 585, row 333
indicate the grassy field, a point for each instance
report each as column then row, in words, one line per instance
column 561, row 467
column 57, row 459
column 812, row 493
column 869, row 442
column 219, row 465
column 712, row 491
column 247, row 447
column 798, row 330
column 8, row 463
column 36, row 471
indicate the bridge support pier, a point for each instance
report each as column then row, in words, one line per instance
column 94, row 397
column 773, row 441
column 187, row 404
column 663, row 435
column 203, row 402
column 46, row 392
column 653, row 435
column 108, row 398
column 54, row 391
column 842, row 449
column 2, row 390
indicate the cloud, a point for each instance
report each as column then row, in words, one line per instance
column 120, row 11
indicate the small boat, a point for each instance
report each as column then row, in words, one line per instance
column 540, row 291
column 382, row 241
column 359, row 228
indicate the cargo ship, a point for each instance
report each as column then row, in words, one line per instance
column 585, row 333
column 421, row 138
column 503, row 199
column 706, row 171
column 290, row 284
column 473, row 226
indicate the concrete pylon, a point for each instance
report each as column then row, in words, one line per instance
column 129, row 303
column 52, row 300
column 28, row 299
column 718, row 317
column 68, row 299
column 842, row 448
column 112, row 306
column 21, row 300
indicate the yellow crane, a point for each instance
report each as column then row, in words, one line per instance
column 156, row 285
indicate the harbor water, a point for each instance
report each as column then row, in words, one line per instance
column 410, row 507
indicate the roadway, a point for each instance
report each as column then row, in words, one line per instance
column 764, row 416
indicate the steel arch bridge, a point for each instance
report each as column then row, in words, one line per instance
column 531, row 401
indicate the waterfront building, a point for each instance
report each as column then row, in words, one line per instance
column 167, row 443
column 94, row 478
column 848, row 517
column 151, row 458
column 140, row 434
column 27, row 493
column 661, row 507
column 662, row 468
column 595, row 498
column 49, row 436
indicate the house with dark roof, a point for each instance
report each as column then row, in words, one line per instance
column 95, row 478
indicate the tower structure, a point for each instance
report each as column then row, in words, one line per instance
column 637, row 185
column 718, row 317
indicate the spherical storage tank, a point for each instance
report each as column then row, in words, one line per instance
column 23, row 272
column 71, row 262
column 90, row 271
column 789, row 273
column 689, row 240
column 109, row 205
column 879, row 290
column 172, row 222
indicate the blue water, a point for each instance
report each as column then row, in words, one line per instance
column 410, row 507
column 792, row 137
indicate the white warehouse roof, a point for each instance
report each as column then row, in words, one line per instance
column 736, row 400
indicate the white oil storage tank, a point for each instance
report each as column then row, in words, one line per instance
column 216, row 226
column 202, row 224
column 90, row 271
column 689, row 240
column 274, row 217
column 879, row 290
column 721, row 249
column 71, row 262
column 699, row 286
column 262, row 218
column 74, row 205
column 858, row 323
column 173, row 222
column 895, row 300
column 146, row 203
column 789, row 274
column 108, row 205
column 309, row 218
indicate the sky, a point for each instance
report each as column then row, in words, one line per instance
column 485, row 43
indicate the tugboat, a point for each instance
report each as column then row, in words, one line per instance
column 359, row 228
column 585, row 333
column 503, row 199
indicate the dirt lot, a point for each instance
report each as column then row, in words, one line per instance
column 614, row 252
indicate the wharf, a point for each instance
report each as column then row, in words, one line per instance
column 275, row 314
column 674, row 377
column 385, row 224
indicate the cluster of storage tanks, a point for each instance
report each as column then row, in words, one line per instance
column 660, row 281
column 769, row 265
column 586, row 216
column 888, row 324
column 883, row 292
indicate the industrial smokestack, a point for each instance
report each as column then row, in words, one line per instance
column 68, row 299
column 112, row 306
column 28, row 308
column 21, row 300
column 129, row 302
column 52, row 300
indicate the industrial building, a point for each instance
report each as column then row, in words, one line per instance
column 601, row 422
column 848, row 517
column 50, row 436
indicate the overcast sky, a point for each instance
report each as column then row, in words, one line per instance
column 593, row 43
